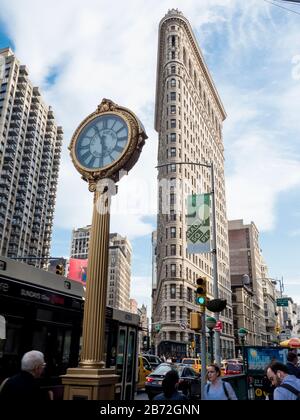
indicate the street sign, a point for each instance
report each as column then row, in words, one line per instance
column 157, row 327
column 219, row 326
column 183, row 325
column 282, row 302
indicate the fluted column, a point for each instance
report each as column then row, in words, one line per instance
column 96, row 285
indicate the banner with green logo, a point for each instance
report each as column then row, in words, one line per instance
column 198, row 223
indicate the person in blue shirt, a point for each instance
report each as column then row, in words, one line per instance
column 216, row 389
column 292, row 364
column 287, row 386
column 169, row 386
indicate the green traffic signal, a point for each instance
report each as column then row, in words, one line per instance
column 200, row 300
column 201, row 291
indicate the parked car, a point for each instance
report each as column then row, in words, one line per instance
column 189, row 380
column 233, row 368
column 193, row 363
column 153, row 360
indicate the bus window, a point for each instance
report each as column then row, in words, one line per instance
column 130, row 356
column 121, row 351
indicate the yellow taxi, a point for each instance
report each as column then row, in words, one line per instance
column 144, row 369
column 193, row 363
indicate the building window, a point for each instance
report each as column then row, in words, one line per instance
column 173, row 55
column 181, row 291
column 173, row 313
column 173, row 40
column 184, row 56
column 173, row 291
column 173, row 123
column 173, row 96
column 173, row 249
column 173, row 152
column 173, row 110
column 173, row 82
column 173, row 137
column 173, row 167
column 172, row 215
column 173, row 232
column 189, row 295
column 173, row 69
column 173, row 270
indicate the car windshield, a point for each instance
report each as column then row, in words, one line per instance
column 162, row 370
column 188, row 361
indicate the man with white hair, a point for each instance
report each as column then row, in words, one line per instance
column 24, row 385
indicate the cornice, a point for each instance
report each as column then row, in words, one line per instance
column 178, row 17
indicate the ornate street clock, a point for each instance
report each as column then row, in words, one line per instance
column 107, row 141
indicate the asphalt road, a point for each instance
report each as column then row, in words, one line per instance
column 141, row 396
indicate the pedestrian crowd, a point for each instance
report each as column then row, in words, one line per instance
column 281, row 382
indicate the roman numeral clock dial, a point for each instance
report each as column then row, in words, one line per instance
column 107, row 141
column 102, row 141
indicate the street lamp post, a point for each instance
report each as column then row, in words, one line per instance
column 211, row 323
column 242, row 333
column 213, row 242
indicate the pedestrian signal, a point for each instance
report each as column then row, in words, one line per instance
column 60, row 270
column 195, row 321
column 201, row 291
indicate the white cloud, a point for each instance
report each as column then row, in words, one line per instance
column 141, row 291
column 94, row 50
column 259, row 173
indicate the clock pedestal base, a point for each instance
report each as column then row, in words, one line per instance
column 89, row 384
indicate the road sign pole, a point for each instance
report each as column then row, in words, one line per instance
column 203, row 353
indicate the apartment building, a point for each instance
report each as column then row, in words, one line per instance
column 30, row 149
column 119, row 265
column 246, row 260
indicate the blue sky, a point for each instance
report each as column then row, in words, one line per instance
column 79, row 53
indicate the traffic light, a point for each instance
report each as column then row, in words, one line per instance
column 60, row 270
column 201, row 291
column 195, row 321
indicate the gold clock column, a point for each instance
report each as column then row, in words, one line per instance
column 96, row 287
column 91, row 381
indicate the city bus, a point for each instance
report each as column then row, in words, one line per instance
column 44, row 311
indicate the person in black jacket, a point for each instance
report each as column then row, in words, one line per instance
column 292, row 361
column 169, row 385
column 25, row 385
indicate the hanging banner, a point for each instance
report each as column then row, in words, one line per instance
column 198, row 224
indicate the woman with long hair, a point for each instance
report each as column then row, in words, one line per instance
column 216, row 389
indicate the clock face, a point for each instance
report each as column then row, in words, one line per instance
column 102, row 141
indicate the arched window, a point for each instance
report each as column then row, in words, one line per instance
column 173, row 82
